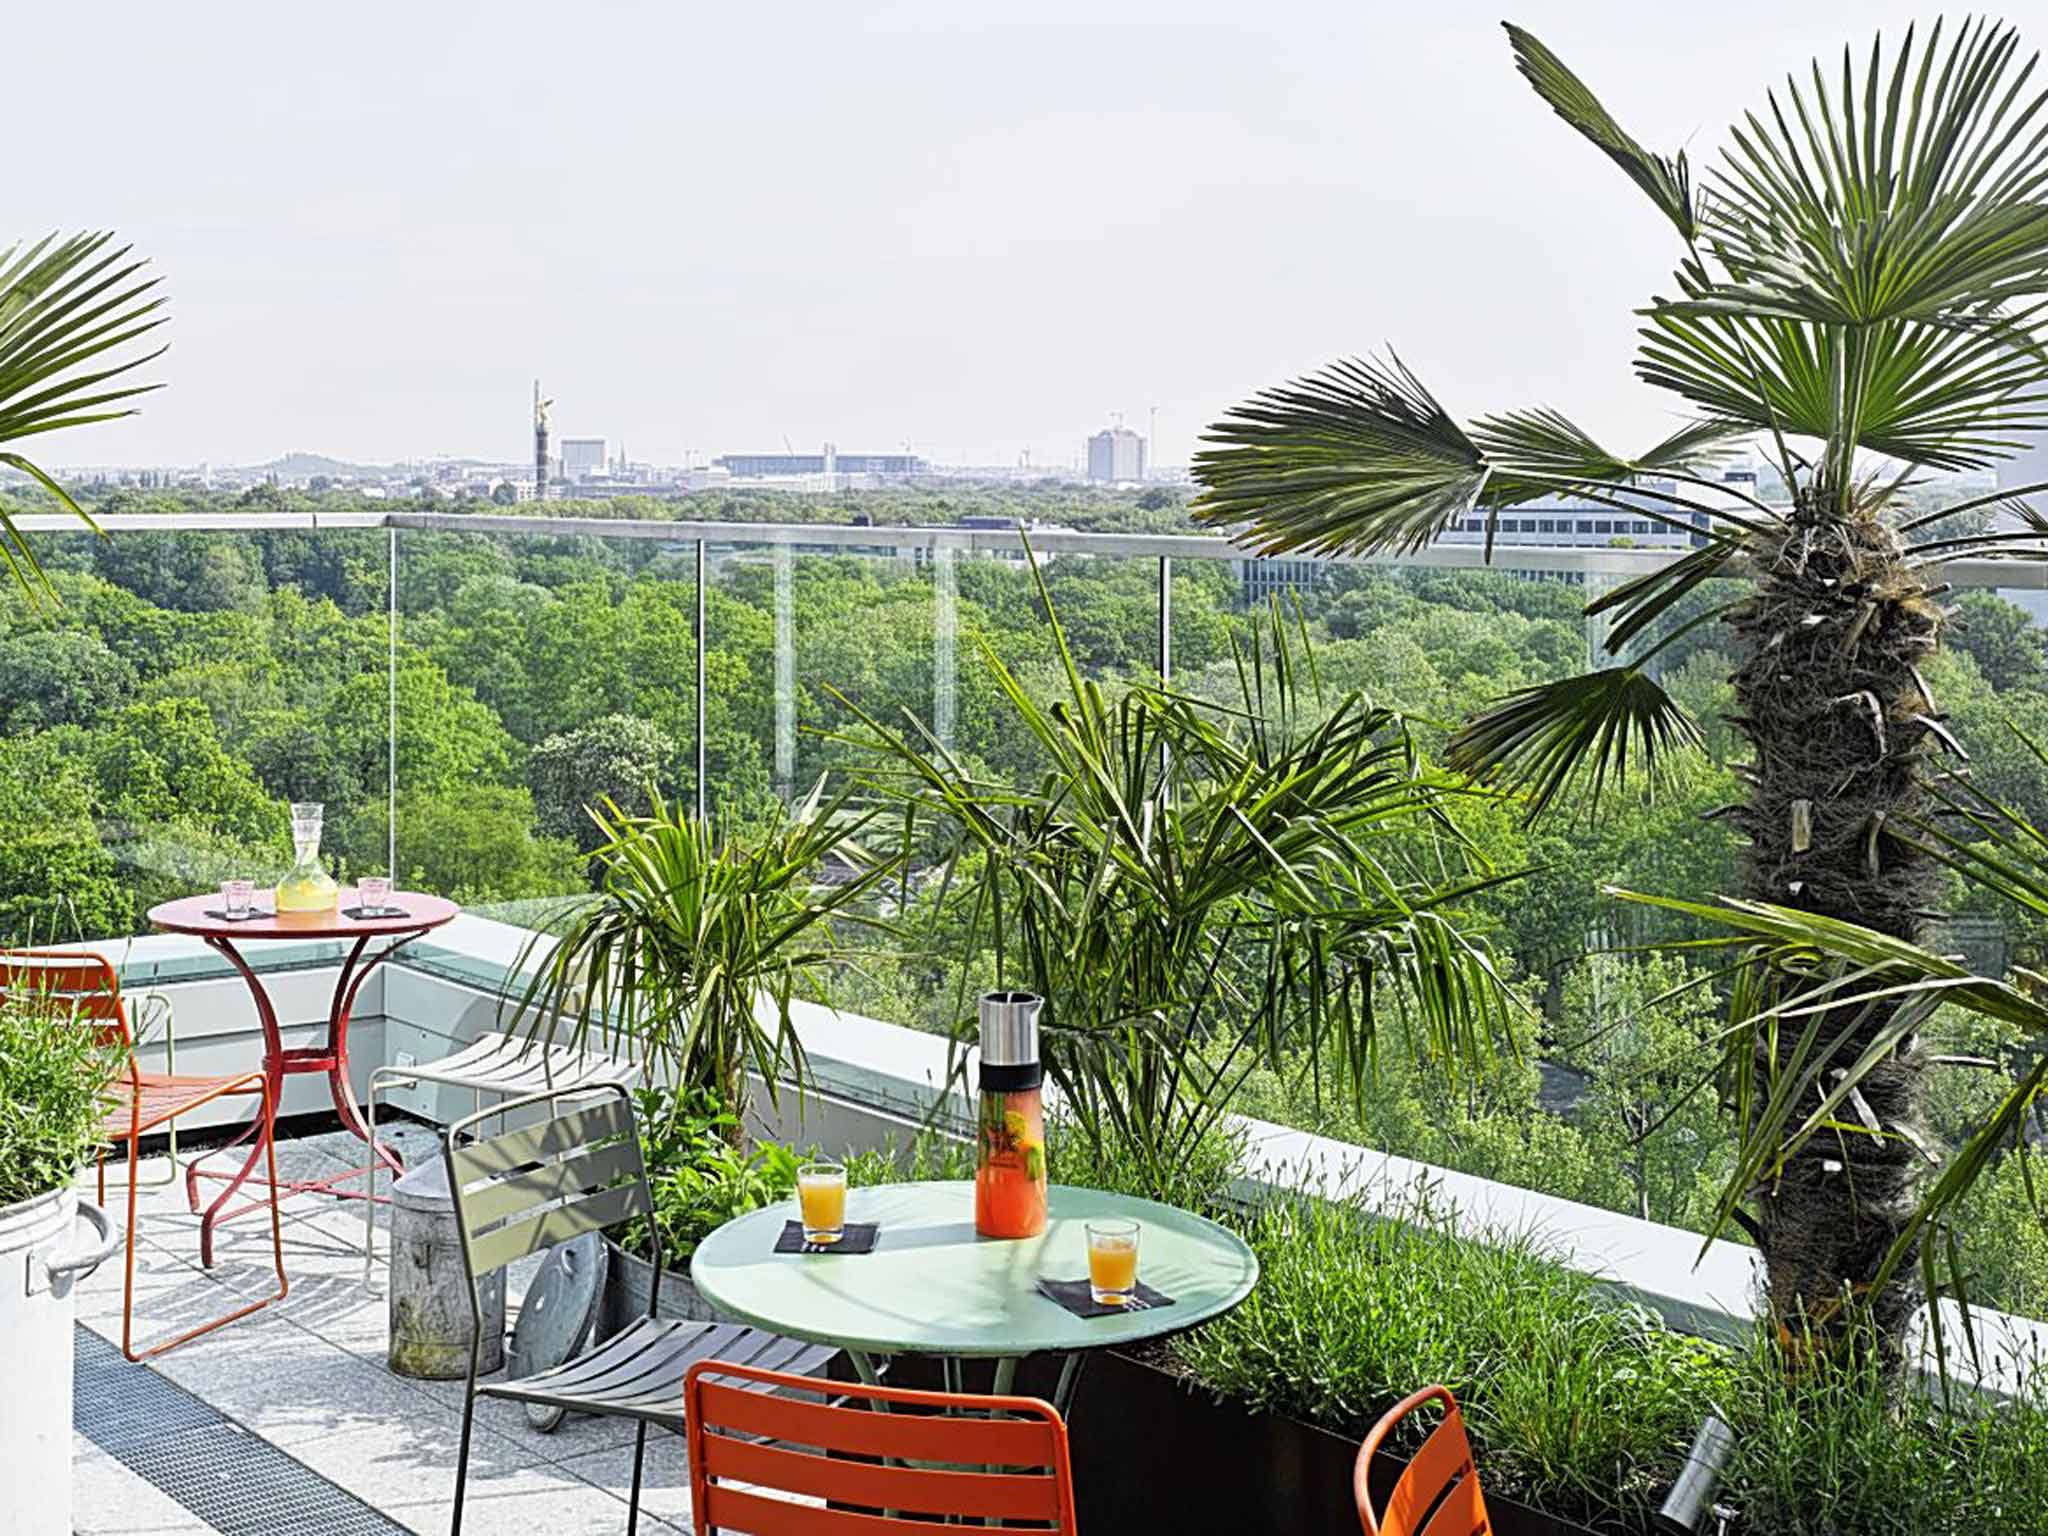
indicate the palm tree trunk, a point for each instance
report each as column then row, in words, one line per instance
column 1831, row 699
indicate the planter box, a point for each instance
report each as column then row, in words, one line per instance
column 626, row 1282
column 1151, row 1455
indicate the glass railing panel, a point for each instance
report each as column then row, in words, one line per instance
column 536, row 676
column 157, row 719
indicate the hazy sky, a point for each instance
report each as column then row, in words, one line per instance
column 975, row 227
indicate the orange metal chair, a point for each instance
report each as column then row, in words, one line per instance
column 927, row 1459
column 1438, row 1494
column 87, row 987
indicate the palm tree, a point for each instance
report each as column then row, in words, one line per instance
column 67, row 308
column 1860, row 294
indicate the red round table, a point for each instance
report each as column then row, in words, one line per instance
column 194, row 915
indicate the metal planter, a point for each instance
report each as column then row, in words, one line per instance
column 40, row 1262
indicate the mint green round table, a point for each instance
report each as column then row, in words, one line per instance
column 931, row 1287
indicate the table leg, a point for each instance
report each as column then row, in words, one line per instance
column 345, row 988
column 331, row 1058
column 264, row 1125
column 1070, row 1373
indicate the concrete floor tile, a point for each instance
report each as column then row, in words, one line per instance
column 664, row 1480
column 290, row 1386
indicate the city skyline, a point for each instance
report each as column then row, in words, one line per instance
column 870, row 229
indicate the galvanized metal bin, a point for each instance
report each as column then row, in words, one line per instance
column 431, row 1321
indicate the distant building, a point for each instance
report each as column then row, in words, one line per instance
column 1551, row 522
column 1116, row 454
column 782, row 466
column 582, row 457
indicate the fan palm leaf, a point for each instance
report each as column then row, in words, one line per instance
column 68, row 308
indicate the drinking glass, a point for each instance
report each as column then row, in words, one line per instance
column 374, row 891
column 236, row 896
column 821, row 1199
column 1112, row 1262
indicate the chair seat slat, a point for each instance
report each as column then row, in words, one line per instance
column 985, row 1442
column 957, row 1491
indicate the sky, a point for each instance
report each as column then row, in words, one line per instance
column 978, row 228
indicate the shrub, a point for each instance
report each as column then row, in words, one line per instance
column 1835, row 1448
column 54, row 1073
column 1574, row 1402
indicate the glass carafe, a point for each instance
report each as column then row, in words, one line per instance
column 1009, row 1173
column 307, row 887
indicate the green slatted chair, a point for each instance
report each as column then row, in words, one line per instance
column 578, row 1169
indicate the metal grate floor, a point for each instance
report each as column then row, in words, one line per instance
column 237, row 1482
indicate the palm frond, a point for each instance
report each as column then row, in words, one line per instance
column 1542, row 452
column 66, row 307
column 1923, row 203
column 1590, row 730
column 1943, row 396
column 1667, row 183
column 1357, row 459
column 1642, row 600
column 1814, row 987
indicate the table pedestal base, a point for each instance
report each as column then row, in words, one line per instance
column 954, row 1370
column 329, row 1059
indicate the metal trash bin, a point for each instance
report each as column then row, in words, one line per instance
column 430, row 1316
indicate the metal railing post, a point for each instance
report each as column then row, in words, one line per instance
column 391, row 712
column 945, row 641
column 703, row 792
column 1165, row 617
column 785, row 671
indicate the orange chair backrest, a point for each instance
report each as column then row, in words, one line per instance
column 84, row 985
column 743, row 1440
column 1438, row 1494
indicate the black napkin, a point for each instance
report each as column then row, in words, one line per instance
column 1076, row 1297
column 858, row 1237
column 249, row 916
column 363, row 913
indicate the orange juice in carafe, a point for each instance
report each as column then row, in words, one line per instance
column 1009, row 1173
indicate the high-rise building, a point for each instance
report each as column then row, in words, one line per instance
column 1116, row 453
column 582, row 457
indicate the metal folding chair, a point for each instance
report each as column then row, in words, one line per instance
column 1438, row 1492
column 87, row 986
column 500, row 1064
column 936, row 1457
column 570, row 1172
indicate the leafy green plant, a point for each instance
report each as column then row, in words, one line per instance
column 1862, row 293
column 65, row 305
column 1195, row 887
column 54, row 1074
column 699, row 1176
column 698, row 942
column 702, row 1179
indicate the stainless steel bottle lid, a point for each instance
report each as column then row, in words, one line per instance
column 1009, row 1028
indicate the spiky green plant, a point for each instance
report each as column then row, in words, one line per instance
column 67, row 309
column 1196, row 889
column 1860, row 293
column 699, row 941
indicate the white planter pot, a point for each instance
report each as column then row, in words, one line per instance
column 40, row 1261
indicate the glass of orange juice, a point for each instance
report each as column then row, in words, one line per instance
column 821, row 1201
column 1112, row 1262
